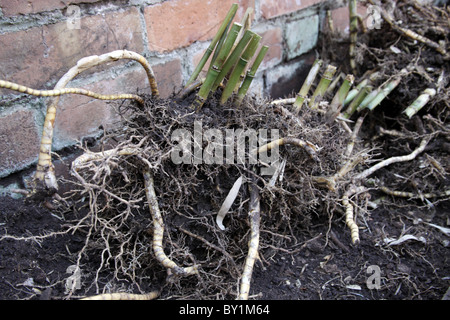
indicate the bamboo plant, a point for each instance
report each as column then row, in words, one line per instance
column 339, row 98
column 322, row 87
column 229, row 17
column 216, row 67
column 420, row 102
column 235, row 76
column 302, row 94
column 232, row 53
column 250, row 76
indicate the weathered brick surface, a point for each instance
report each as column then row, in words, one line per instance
column 271, row 9
column 301, row 36
column 273, row 38
column 15, row 7
column 19, row 141
column 37, row 55
column 340, row 17
column 78, row 116
column 169, row 77
column 178, row 23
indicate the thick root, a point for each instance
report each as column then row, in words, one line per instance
column 124, row 296
column 255, row 220
column 158, row 231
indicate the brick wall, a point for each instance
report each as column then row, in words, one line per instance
column 40, row 40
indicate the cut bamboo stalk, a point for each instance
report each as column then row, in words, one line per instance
column 420, row 102
column 250, row 76
column 368, row 78
column 369, row 97
column 216, row 67
column 229, row 17
column 338, row 99
column 325, row 81
column 355, row 91
column 334, row 83
column 356, row 102
column 233, row 58
column 384, row 92
column 235, row 76
column 246, row 24
column 220, row 45
column 302, row 94
column 226, row 49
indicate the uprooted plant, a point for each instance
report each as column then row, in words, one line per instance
column 194, row 159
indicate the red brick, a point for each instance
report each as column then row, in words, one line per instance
column 19, row 141
column 178, row 23
column 169, row 77
column 80, row 116
column 37, row 55
column 274, row 39
column 15, row 7
column 271, row 9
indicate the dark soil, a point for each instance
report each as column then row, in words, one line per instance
column 320, row 268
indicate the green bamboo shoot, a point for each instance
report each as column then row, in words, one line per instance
column 216, row 67
column 233, row 58
column 250, row 76
column 369, row 97
column 338, row 99
column 384, row 92
column 239, row 68
column 419, row 102
column 356, row 102
column 229, row 17
column 302, row 94
column 355, row 91
column 322, row 87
